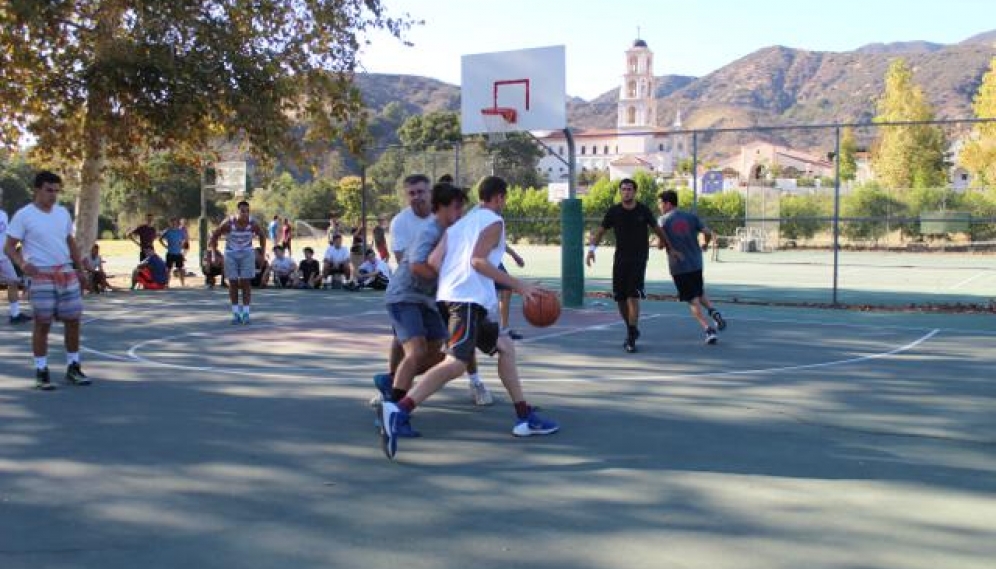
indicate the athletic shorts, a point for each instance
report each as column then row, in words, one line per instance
column 470, row 329
column 689, row 285
column 144, row 278
column 55, row 294
column 627, row 278
column 501, row 287
column 174, row 260
column 7, row 273
column 240, row 265
column 416, row 320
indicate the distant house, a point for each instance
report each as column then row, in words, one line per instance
column 765, row 161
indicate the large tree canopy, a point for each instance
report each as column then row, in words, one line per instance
column 99, row 80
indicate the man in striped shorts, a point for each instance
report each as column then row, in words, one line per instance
column 240, row 258
column 51, row 258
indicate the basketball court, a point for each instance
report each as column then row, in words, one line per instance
column 804, row 438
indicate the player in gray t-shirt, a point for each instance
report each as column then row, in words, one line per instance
column 685, row 260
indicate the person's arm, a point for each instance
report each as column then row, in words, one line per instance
column 162, row 240
column 222, row 229
column 593, row 244
column 133, row 235
column 262, row 235
column 515, row 256
column 707, row 235
column 398, row 241
column 14, row 254
column 486, row 242
column 430, row 269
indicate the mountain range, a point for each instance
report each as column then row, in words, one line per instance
column 773, row 86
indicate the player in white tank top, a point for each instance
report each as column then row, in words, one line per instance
column 468, row 258
column 239, row 231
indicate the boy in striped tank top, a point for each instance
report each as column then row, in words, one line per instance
column 240, row 259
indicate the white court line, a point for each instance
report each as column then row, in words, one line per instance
column 966, row 281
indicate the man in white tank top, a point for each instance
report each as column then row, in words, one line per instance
column 240, row 258
column 468, row 258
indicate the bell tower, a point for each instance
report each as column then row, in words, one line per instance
column 637, row 104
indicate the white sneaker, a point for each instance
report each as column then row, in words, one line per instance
column 480, row 395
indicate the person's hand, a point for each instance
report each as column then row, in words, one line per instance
column 83, row 277
column 676, row 254
column 30, row 270
column 528, row 290
column 590, row 258
column 705, row 246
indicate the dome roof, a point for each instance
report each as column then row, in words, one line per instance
column 639, row 43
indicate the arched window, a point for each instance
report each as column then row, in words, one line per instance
column 594, row 149
column 606, row 149
column 632, row 65
column 631, row 90
column 631, row 115
column 582, row 150
column 660, row 147
column 561, row 150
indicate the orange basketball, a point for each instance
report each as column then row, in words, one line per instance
column 543, row 310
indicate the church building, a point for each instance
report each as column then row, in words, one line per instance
column 636, row 143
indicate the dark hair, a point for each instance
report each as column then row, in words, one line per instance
column 491, row 186
column 46, row 177
column 669, row 196
column 444, row 194
column 628, row 181
column 309, row 250
column 278, row 248
column 240, row 204
column 446, row 179
column 416, row 179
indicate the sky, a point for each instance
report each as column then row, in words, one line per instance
column 688, row 37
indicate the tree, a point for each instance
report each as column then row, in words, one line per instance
column 103, row 81
column 979, row 154
column 913, row 155
column 516, row 160
column 437, row 131
column 848, row 149
column 871, row 207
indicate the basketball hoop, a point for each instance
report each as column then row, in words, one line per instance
column 499, row 122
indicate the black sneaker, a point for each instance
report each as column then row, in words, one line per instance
column 515, row 334
column 42, row 380
column 75, row 375
column 630, row 345
column 718, row 319
column 710, row 336
column 22, row 317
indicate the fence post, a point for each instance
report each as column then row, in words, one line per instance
column 836, row 210
column 695, row 170
column 571, row 235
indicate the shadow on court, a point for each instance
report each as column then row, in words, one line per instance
column 805, row 438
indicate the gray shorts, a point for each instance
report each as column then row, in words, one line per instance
column 240, row 265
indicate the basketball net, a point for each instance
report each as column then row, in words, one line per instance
column 499, row 122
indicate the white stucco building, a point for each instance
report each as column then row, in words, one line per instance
column 637, row 143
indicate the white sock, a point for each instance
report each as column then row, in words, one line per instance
column 236, row 309
column 15, row 308
column 72, row 358
column 474, row 378
column 41, row 362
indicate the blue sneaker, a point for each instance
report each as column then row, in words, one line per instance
column 245, row 318
column 391, row 419
column 384, row 384
column 534, row 425
column 236, row 319
column 405, row 430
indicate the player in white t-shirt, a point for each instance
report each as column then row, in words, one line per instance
column 336, row 260
column 414, row 218
column 467, row 259
column 51, row 258
column 9, row 276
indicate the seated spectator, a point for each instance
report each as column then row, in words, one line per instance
column 283, row 269
column 336, row 262
column 262, row 269
column 373, row 273
column 151, row 273
column 213, row 266
column 309, row 270
column 93, row 264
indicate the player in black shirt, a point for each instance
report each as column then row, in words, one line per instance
column 630, row 221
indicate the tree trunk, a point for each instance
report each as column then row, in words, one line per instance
column 91, row 175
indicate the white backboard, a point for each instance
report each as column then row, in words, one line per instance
column 230, row 177
column 531, row 81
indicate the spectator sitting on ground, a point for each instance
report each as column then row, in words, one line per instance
column 151, row 273
column 213, row 265
column 373, row 273
column 336, row 262
column 262, row 269
column 93, row 264
column 283, row 269
column 309, row 270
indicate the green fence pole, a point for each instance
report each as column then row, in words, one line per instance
column 571, row 235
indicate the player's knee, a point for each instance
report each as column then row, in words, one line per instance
column 506, row 346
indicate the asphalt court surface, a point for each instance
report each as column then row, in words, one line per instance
column 804, row 438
